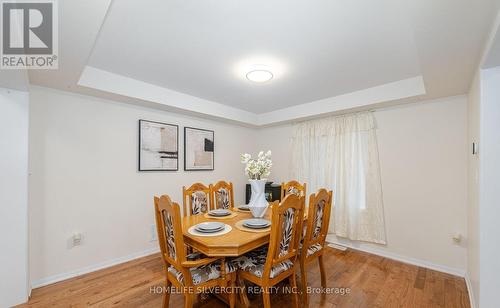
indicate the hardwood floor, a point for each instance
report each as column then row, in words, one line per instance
column 373, row 281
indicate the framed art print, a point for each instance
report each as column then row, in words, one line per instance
column 158, row 146
column 198, row 149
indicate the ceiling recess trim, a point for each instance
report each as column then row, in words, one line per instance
column 363, row 99
column 113, row 83
column 117, row 84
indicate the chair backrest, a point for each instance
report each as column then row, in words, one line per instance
column 318, row 219
column 196, row 199
column 222, row 195
column 293, row 187
column 286, row 229
column 169, row 228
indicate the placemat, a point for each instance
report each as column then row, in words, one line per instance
column 233, row 214
column 227, row 229
column 239, row 225
column 242, row 211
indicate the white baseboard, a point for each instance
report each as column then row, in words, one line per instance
column 92, row 268
column 405, row 259
column 470, row 291
column 337, row 246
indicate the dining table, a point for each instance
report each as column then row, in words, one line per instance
column 232, row 244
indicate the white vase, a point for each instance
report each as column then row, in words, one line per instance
column 258, row 203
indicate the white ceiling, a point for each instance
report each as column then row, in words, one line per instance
column 492, row 55
column 326, row 54
column 315, row 49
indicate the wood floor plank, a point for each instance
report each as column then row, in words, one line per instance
column 451, row 298
column 373, row 281
column 420, row 280
column 463, row 295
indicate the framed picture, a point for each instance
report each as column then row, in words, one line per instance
column 198, row 149
column 158, row 146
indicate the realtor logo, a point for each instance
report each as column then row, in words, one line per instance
column 29, row 34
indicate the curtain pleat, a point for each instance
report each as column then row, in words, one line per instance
column 341, row 153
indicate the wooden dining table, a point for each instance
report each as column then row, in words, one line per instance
column 232, row 244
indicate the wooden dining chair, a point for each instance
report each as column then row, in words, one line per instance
column 222, row 195
column 268, row 265
column 293, row 187
column 312, row 245
column 196, row 199
column 190, row 276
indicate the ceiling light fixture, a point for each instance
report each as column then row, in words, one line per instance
column 259, row 75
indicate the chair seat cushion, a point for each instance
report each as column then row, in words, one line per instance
column 254, row 261
column 203, row 273
column 195, row 256
column 313, row 249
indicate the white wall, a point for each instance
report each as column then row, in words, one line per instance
column 489, row 193
column 423, row 161
column 14, row 112
column 83, row 160
column 474, row 100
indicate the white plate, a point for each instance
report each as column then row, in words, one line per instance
column 255, row 227
column 193, row 231
column 257, row 222
column 219, row 212
column 209, row 226
column 209, row 231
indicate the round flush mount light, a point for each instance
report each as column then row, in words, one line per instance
column 259, row 75
column 259, row 69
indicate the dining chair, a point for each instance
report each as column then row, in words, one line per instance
column 312, row 245
column 269, row 264
column 182, row 272
column 196, row 199
column 293, row 187
column 222, row 195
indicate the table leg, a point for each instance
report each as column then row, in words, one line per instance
column 242, row 290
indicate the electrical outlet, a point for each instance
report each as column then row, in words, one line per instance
column 154, row 235
column 77, row 239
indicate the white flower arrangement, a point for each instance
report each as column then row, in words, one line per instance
column 259, row 168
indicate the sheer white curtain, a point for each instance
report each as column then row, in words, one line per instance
column 341, row 153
